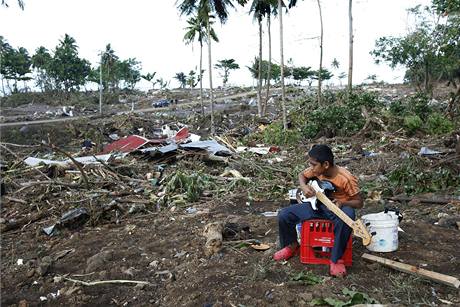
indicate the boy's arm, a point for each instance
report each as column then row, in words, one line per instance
column 355, row 201
column 307, row 190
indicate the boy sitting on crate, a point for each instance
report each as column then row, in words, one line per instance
column 346, row 196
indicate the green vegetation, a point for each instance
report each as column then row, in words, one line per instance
column 275, row 134
column 226, row 65
column 431, row 52
column 307, row 278
column 339, row 116
column 353, row 298
column 412, row 123
column 298, row 74
column 438, row 124
column 191, row 185
column 415, row 175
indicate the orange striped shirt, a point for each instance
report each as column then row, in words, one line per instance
column 345, row 183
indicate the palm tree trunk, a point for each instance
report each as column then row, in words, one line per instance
column 211, row 94
column 259, row 86
column 350, row 56
column 283, row 92
column 3, row 85
column 320, row 54
column 201, row 78
column 264, row 109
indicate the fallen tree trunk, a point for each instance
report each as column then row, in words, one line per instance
column 214, row 238
column 407, row 268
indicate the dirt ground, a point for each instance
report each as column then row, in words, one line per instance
column 164, row 246
column 166, row 250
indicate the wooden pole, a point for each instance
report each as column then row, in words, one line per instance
column 407, row 268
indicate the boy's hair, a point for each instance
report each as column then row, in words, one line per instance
column 322, row 153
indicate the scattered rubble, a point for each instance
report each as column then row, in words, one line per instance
column 152, row 210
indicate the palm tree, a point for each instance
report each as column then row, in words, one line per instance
column 350, row 57
column 40, row 60
column 181, row 78
column 206, row 9
column 273, row 5
column 109, row 60
column 259, row 8
column 226, row 65
column 197, row 28
column 283, row 92
column 149, row 77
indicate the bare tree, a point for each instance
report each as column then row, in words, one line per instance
column 320, row 53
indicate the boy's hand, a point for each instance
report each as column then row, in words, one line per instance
column 308, row 191
column 337, row 203
column 298, row 196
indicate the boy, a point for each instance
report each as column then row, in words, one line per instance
column 347, row 197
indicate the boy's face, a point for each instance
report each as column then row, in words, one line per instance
column 317, row 167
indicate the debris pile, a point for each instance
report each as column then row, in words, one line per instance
column 141, row 210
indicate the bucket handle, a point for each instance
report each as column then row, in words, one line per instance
column 396, row 211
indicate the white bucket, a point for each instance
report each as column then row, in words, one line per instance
column 385, row 226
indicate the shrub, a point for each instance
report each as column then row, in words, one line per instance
column 412, row 123
column 276, row 135
column 397, row 108
column 414, row 176
column 439, row 124
column 418, row 105
column 362, row 98
column 341, row 114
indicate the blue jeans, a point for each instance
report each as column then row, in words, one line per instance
column 290, row 216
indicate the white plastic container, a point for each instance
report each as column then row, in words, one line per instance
column 385, row 225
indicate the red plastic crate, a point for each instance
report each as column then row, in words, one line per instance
column 317, row 240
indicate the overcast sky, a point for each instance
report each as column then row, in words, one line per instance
column 152, row 32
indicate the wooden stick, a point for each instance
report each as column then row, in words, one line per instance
column 16, row 200
column 407, row 268
column 255, row 241
column 77, row 164
column 100, row 282
column 226, row 143
column 32, row 183
column 422, row 200
column 18, row 145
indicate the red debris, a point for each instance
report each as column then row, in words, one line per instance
column 181, row 135
column 127, row 144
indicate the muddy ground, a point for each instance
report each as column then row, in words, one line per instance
column 131, row 235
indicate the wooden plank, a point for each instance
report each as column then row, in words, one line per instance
column 407, row 268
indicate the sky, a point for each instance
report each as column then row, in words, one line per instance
column 152, row 31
